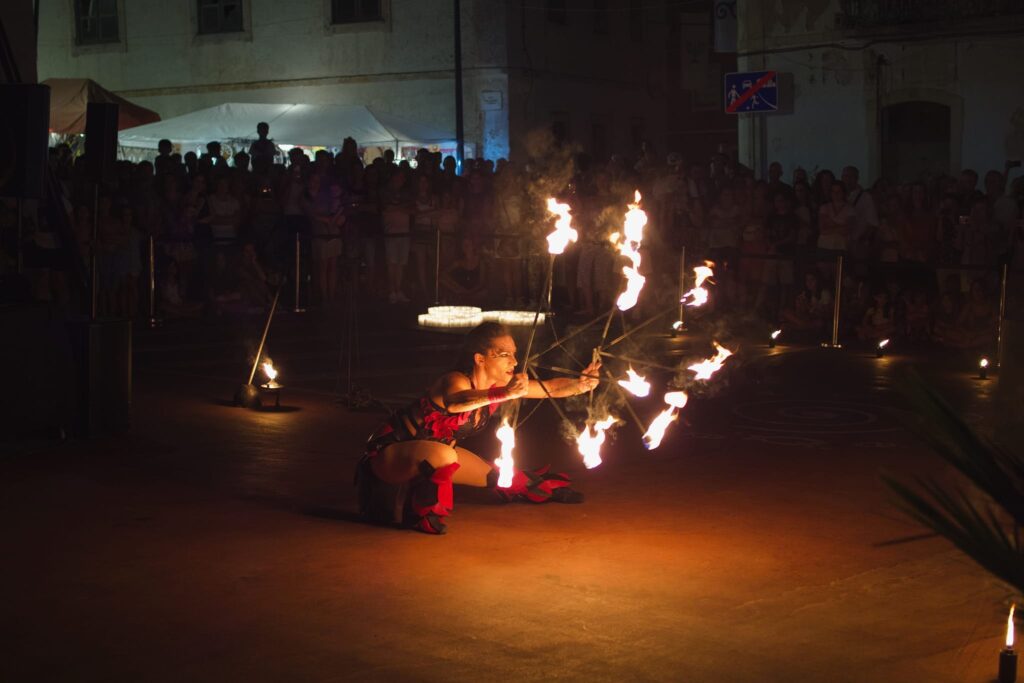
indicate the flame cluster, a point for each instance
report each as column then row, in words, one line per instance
column 590, row 440
column 564, row 233
column 698, row 296
column 628, row 245
column 505, row 462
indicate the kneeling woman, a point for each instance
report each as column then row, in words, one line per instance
column 413, row 459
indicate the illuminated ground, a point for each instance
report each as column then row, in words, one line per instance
column 214, row 543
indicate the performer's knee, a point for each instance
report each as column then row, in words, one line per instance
column 442, row 457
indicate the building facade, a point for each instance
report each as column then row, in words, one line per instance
column 602, row 74
column 902, row 90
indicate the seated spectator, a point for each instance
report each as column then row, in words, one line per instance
column 812, row 308
column 976, row 324
column 918, row 318
column 877, row 323
column 464, row 282
column 172, row 301
column 253, row 281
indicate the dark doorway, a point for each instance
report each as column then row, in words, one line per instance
column 915, row 141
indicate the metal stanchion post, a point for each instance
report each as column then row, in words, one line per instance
column 437, row 265
column 835, row 304
column 153, row 320
column 1002, row 317
column 680, row 324
column 298, row 272
column 94, row 279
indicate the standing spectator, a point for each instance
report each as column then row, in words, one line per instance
column 324, row 211
column 823, row 182
column 834, row 222
column 396, row 209
column 262, row 151
column 917, row 243
column 1003, row 211
column 775, row 182
column 863, row 230
column 781, row 228
column 225, row 212
column 423, row 237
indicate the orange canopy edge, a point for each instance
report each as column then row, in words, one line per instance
column 69, row 100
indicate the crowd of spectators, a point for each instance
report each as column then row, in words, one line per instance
column 921, row 259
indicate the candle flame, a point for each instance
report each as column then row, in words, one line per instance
column 564, row 233
column 983, row 363
column 677, row 325
column 776, row 333
column 1009, row 628
column 656, row 432
column 504, row 462
column 636, row 384
column 269, row 370
column 882, row 344
column 633, row 235
column 710, row 366
column 590, row 440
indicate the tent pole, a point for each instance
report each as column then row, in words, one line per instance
column 460, row 137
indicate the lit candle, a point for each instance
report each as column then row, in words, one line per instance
column 772, row 338
column 1008, row 656
column 983, row 368
column 880, row 351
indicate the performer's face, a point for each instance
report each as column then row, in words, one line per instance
column 500, row 361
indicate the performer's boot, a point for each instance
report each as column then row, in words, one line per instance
column 430, row 498
column 379, row 502
column 536, row 486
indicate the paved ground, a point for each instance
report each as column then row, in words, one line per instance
column 757, row 544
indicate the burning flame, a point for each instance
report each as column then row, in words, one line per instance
column 590, row 439
column 504, row 462
column 636, row 384
column 269, row 370
column 656, row 432
column 882, row 344
column 1009, row 628
column 633, row 230
column 710, row 366
column 564, row 232
column 698, row 296
column 776, row 333
column 677, row 325
column 983, row 363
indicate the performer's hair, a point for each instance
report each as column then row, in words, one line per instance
column 479, row 340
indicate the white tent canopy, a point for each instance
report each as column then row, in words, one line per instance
column 309, row 125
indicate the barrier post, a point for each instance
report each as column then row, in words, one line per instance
column 835, row 304
column 1002, row 316
column 298, row 272
column 153, row 320
column 681, row 322
column 437, row 265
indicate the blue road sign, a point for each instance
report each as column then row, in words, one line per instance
column 751, row 91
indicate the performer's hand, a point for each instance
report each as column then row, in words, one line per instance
column 590, row 383
column 518, row 385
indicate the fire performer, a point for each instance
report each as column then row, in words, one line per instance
column 413, row 459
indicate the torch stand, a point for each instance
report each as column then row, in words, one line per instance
column 248, row 395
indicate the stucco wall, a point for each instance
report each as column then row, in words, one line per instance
column 842, row 78
column 291, row 54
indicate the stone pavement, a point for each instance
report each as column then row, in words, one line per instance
column 757, row 544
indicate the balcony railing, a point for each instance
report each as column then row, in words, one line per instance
column 865, row 13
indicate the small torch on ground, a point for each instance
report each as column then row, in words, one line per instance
column 880, row 349
column 983, row 368
column 771, row 339
column 1008, row 656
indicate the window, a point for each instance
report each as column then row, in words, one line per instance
column 556, row 11
column 96, row 22
column 220, row 16
column 356, row 11
column 601, row 17
column 636, row 21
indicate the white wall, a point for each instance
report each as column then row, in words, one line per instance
column 291, row 55
column 839, row 87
